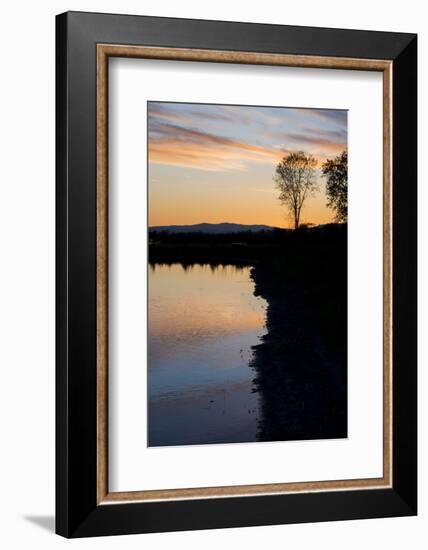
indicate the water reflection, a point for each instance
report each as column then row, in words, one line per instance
column 203, row 321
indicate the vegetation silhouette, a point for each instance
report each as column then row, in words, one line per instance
column 295, row 179
column 336, row 172
column 301, row 362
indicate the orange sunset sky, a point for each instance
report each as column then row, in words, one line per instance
column 215, row 163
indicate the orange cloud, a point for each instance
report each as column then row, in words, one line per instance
column 174, row 145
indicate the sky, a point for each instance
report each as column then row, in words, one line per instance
column 215, row 163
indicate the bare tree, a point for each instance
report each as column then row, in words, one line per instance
column 295, row 180
column 336, row 172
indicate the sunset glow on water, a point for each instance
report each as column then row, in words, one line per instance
column 203, row 322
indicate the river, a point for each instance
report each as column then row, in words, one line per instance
column 203, row 322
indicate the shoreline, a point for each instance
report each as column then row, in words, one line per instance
column 301, row 378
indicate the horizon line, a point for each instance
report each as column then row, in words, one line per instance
column 237, row 223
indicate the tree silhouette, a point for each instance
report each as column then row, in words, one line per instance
column 294, row 178
column 336, row 172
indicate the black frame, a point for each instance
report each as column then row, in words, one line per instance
column 77, row 513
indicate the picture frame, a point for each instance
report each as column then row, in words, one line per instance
column 84, row 44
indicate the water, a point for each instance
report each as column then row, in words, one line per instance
column 203, row 322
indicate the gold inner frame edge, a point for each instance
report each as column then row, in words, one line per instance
column 104, row 51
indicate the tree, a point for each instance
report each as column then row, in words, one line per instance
column 336, row 172
column 295, row 180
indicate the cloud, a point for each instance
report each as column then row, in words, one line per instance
column 340, row 135
column 338, row 116
column 185, row 112
column 317, row 143
column 314, row 141
column 179, row 146
column 187, row 135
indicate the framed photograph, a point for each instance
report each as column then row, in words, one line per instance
column 236, row 274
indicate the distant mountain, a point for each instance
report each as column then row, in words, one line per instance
column 211, row 228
